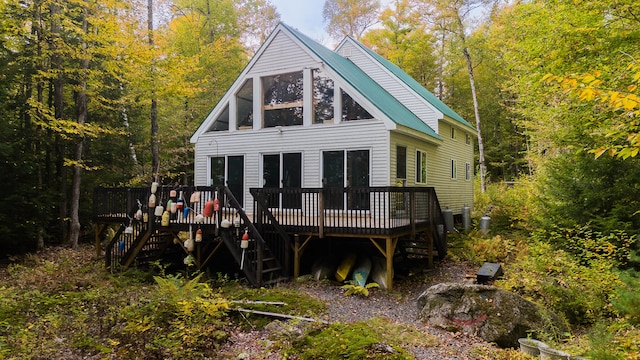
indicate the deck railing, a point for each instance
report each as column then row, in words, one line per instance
column 362, row 210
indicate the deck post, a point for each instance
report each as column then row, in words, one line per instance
column 390, row 248
column 296, row 256
column 321, row 214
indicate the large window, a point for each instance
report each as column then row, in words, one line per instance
column 244, row 99
column 421, row 167
column 283, row 95
column 351, row 110
column 322, row 98
column 229, row 171
column 283, row 171
column 336, row 176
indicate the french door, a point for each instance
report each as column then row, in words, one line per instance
column 283, row 171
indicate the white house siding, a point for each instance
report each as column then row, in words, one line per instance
column 310, row 141
column 282, row 55
column 452, row 194
column 389, row 82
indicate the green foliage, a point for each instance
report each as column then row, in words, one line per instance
column 555, row 278
column 589, row 245
column 578, row 189
column 352, row 288
column 361, row 340
column 509, row 206
column 478, row 249
column 627, row 299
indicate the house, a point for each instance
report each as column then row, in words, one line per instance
column 340, row 150
column 303, row 116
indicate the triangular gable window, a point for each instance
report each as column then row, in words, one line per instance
column 222, row 122
column 351, row 110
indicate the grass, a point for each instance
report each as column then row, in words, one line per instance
column 64, row 304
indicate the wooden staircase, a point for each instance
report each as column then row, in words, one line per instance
column 141, row 242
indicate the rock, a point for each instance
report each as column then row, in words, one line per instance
column 493, row 314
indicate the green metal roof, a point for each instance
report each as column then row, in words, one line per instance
column 370, row 89
column 416, row 86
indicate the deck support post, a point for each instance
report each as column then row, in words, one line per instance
column 391, row 248
column 298, row 249
column 388, row 251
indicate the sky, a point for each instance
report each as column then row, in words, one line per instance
column 306, row 16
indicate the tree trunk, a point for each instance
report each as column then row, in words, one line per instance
column 476, row 111
column 58, row 105
column 155, row 144
column 81, row 106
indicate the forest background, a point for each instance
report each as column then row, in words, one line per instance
column 108, row 93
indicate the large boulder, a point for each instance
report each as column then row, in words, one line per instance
column 493, row 314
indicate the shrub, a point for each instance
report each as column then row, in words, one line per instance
column 558, row 280
column 590, row 245
column 508, row 206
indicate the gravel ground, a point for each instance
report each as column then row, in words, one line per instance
column 399, row 306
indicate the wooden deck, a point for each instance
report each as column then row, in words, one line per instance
column 284, row 220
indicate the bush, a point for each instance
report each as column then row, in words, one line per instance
column 555, row 278
column 590, row 245
column 508, row 206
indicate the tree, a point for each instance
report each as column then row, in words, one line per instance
column 404, row 40
column 349, row 17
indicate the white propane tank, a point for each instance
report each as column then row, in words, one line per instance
column 484, row 224
column 448, row 219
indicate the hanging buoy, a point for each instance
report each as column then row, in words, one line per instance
column 208, row 208
column 154, row 187
column 165, row 218
column 195, row 197
column 121, row 246
column 236, row 224
column 159, row 210
column 199, row 219
column 180, row 202
column 138, row 215
column 216, row 203
column 185, row 213
column 172, row 193
column 173, row 207
column 152, row 200
column 225, row 223
column 244, row 244
column 128, row 230
column 199, row 235
column 189, row 245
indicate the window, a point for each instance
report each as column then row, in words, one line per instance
column 468, row 139
column 351, row 110
column 454, row 169
column 283, row 96
column 283, row 171
column 322, row 98
column 467, row 171
column 453, row 132
column 337, row 176
column 244, row 99
column 229, row 171
column 421, row 167
column 222, row 122
column 401, row 162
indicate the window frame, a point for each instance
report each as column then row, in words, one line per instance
column 420, row 155
column 454, row 169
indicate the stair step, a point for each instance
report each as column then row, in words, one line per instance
column 270, row 270
column 275, row 281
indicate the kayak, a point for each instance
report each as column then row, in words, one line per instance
column 379, row 271
column 361, row 270
column 344, row 269
column 324, row 267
